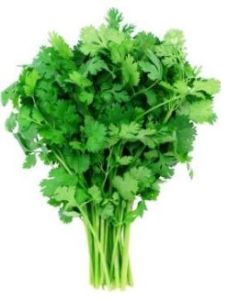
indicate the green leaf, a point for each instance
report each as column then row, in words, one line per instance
column 80, row 163
column 169, row 54
column 127, row 186
column 52, row 136
column 181, row 87
column 175, row 37
column 94, row 66
column 90, row 41
column 209, row 86
column 78, row 79
column 30, row 161
column 114, row 18
column 107, row 211
column 95, row 193
column 130, row 71
column 109, row 36
column 129, row 131
column 64, row 216
column 124, row 160
column 202, row 112
column 64, row 193
column 185, row 135
column 31, row 78
column 119, row 94
column 153, row 68
column 11, row 122
column 118, row 53
column 89, row 35
column 144, row 41
column 76, row 145
column 151, row 97
column 8, row 93
column 96, row 135
column 128, row 29
column 86, row 97
column 116, row 92
column 147, row 67
column 59, row 44
column 93, row 40
column 134, row 214
column 58, row 177
column 140, row 173
column 81, row 196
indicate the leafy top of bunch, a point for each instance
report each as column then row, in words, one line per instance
column 111, row 116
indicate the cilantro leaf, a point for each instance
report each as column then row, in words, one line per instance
column 202, row 112
column 130, row 71
column 127, row 186
column 96, row 135
column 81, row 196
column 137, row 212
column 64, row 193
column 209, row 86
column 85, row 97
column 95, row 193
column 31, row 78
column 174, row 37
column 80, row 163
column 153, row 68
column 30, row 161
column 107, row 211
column 60, row 45
column 94, row 66
column 129, row 131
column 114, row 18
column 9, row 93
column 185, row 135
column 58, row 177
column 11, row 122
column 64, row 217
column 80, row 80
column 124, row 160
column 90, row 41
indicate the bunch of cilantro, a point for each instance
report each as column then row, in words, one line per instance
column 111, row 116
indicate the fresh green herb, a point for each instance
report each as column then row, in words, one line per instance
column 112, row 117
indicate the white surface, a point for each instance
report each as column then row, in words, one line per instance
column 179, row 249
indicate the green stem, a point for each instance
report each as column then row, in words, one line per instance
column 102, row 239
column 125, row 262
column 96, row 250
column 168, row 115
column 155, row 107
column 62, row 162
column 129, row 275
column 117, row 238
column 107, row 168
column 115, row 258
column 144, row 90
column 99, row 246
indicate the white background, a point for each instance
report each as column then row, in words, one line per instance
column 179, row 248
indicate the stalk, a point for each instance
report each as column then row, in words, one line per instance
column 109, row 252
column 125, row 263
column 98, row 247
column 102, row 239
column 115, row 257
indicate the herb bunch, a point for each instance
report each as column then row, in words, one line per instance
column 111, row 116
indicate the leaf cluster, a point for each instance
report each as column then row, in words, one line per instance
column 111, row 116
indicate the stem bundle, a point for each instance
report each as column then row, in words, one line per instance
column 108, row 251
